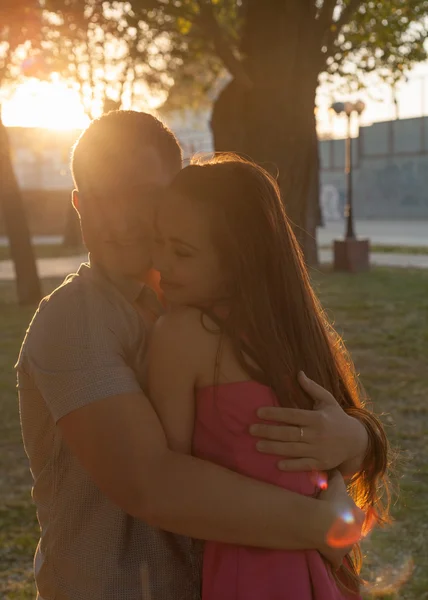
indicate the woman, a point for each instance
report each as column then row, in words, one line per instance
column 244, row 322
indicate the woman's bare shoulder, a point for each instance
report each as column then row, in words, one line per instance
column 188, row 326
column 188, row 336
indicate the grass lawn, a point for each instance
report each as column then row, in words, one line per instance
column 59, row 251
column 383, row 316
column 399, row 249
column 376, row 248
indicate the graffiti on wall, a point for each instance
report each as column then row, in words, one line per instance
column 391, row 188
column 332, row 202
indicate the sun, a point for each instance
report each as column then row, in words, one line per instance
column 47, row 104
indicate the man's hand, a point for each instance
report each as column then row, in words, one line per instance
column 321, row 439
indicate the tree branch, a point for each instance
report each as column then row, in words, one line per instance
column 209, row 24
column 348, row 12
column 122, row 80
column 325, row 15
column 80, row 82
column 132, row 87
column 345, row 16
column 5, row 64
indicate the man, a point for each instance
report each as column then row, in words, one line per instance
column 105, row 482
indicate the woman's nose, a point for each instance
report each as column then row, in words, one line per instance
column 160, row 261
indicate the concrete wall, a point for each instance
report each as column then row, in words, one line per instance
column 390, row 171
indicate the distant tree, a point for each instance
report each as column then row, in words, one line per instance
column 275, row 53
column 19, row 33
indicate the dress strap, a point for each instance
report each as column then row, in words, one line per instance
column 224, row 328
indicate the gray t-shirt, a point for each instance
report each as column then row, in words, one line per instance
column 87, row 342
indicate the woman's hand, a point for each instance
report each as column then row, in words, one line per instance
column 321, row 439
column 347, row 521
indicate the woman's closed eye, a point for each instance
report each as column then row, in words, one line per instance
column 182, row 253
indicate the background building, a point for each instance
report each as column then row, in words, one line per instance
column 390, row 169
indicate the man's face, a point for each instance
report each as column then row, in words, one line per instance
column 119, row 233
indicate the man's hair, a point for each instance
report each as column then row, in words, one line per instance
column 110, row 154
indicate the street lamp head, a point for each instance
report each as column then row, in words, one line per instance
column 349, row 108
column 359, row 106
column 338, row 107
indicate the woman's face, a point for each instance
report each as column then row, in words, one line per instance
column 184, row 253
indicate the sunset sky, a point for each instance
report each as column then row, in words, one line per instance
column 54, row 105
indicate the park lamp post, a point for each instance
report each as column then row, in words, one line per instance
column 350, row 254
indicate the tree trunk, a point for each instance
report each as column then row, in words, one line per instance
column 313, row 215
column 227, row 125
column 27, row 280
column 282, row 53
column 273, row 122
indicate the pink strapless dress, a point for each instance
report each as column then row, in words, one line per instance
column 223, row 417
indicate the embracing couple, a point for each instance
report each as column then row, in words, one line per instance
column 177, row 447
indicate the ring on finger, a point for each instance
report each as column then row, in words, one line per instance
column 301, row 434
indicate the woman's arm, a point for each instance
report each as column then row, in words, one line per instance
column 172, row 375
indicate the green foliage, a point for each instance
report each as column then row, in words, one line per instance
column 383, row 37
column 20, row 28
column 108, row 48
column 191, row 56
column 104, row 50
column 360, row 37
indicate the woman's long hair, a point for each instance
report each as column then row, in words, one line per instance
column 271, row 302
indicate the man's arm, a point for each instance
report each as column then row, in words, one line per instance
column 323, row 439
column 120, row 442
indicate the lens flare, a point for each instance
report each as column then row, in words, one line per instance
column 319, row 479
column 389, row 582
column 345, row 531
column 33, row 66
column 348, row 517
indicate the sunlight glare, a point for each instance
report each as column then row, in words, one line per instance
column 50, row 105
